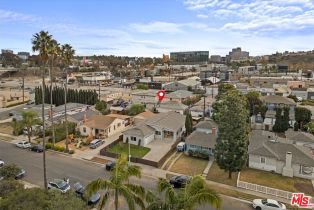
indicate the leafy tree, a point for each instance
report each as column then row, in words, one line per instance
column 8, row 186
column 254, row 103
column 38, row 199
column 233, row 128
column 136, row 109
column 101, row 106
column 302, row 116
column 310, row 127
column 188, row 123
column 224, row 88
column 194, row 194
column 142, row 86
column 282, row 120
column 29, row 119
column 17, row 127
column 118, row 185
column 9, row 171
column 293, row 97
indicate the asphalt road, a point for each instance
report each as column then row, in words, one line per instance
column 59, row 166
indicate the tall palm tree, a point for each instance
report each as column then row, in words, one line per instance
column 118, row 185
column 40, row 42
column 67, row 54
column 53, row 51
column 195, row 193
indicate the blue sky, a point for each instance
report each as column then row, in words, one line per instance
column 154, row 27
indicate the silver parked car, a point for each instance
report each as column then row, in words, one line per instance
column 95, row 143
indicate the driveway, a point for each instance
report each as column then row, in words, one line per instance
column 158, row 149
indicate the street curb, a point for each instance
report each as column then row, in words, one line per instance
column 237, row 199
column 60, row 153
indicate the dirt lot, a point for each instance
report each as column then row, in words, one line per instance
column 6, row 128
column 189, row 165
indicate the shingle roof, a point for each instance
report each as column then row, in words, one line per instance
column 277, row 100
column 299, row 136
column 151, row 93
column 99, row 121
column 180, row 94
column 202, row 139
column 172, row 105
column 80, row 115
column 208, row 124
column 168, row 120
column 140, row 130
column 189, row 82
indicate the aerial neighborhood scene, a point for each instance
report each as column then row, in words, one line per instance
column 157, row 105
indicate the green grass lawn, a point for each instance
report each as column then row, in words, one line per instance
column 277, row 181
column 189, row 165
column 123, row 148
column 218, row 175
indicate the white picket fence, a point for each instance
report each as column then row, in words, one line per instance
column 264, row 189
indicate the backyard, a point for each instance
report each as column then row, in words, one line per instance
column 189, row 165
column 123, row 148
column 277, row 181
column 218, row 175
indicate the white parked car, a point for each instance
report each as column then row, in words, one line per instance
column 267, row 204
column 23, row 144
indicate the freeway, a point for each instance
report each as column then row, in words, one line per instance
column 60, row 166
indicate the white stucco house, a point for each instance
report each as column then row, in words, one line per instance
column 287, row 159
column 164, row 126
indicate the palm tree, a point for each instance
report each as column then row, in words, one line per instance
column 118, row 185
column 54, row 52
column 188, row 198
column 67, row 54
column 40, row 42
column 29, row 119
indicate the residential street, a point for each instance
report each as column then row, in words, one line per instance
column 59, row 166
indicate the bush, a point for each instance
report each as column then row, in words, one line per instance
column 71, row 151
column 48, row 146
column 296, row 126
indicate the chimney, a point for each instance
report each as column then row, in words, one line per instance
column 288, row 159
column 214, row 131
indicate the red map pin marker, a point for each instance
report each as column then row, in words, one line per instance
column 161, row 94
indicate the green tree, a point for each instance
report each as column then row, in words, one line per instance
column 38, row 199
column 282, row 120
column 136, row 109
column 293, row 97
column 233, row 129
column 142, row 86
column 9, row 171
column 8, row 186
column 29, row 119
column 188, row 123
column 40, row 43
column 101, row 106
column 118, row 185
column 302, row 116
column 253, row 102
column 194, row 194
column 310, row 127
column 224, row 88
column 17, row 127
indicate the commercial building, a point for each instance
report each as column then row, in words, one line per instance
column 238, row 55
column 189, row 58
column 23, row 55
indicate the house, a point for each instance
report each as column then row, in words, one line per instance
column 247, row 70
column 169, row 106
column 271, row 103
column 12, row 97
column 287, row 159
column 82, row 116
column 296, row 84
column 137, row 119
column 203, row 139
column 300, row 138
column 281, row 90
column 164, row 126
column 187, row 84
column 110, row 96
column 144, row 97
column 102, row 126
column 179, row 95
column 197, row 110
column 299, row 93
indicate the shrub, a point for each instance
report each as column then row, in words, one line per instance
column 296, row 126
column 48, row 146
column 71, row 151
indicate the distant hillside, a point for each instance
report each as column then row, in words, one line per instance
column 295, row 61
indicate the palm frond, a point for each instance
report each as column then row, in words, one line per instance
column 128, row 196
column 136, row 189
column 204, row 196
column 98, row 184
column 103, row 201
column 164, row 186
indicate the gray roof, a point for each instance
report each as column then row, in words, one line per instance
column 277, row 100
column 207, row 124
column 272, row 114
column 152, row 93
column 202, row 139
column 140, row 130
column 299, row 136
column 260, row 145
column 172, row 105
column 180, row 94
column 168, row 121
column 189, row 82
column 80, row 115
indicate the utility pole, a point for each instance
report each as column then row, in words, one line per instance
column 65, row 110
column 23, row 86
column 99, row 90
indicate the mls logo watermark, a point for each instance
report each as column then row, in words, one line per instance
column 301, row 200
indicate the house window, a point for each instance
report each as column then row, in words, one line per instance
column 157, row 132
column 306, row 170
column 263, row 160
column 133, row 138
column 84, row 129
column 119, row 124
column 114, row 127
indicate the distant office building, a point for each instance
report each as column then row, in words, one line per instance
column 220, row 71
column 189, row 58
column 215, row 58
column 23, row 55
column 6, row 51
column 238, row 55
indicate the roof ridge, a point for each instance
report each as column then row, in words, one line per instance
column 306, row 154
column 269, row 149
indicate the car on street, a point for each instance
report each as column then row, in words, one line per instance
column 37, row 148
column 110, row 165
column 59, row 184
column 1, row 163
column 267, row 204
column 23, row 144
column 79, row 191
column 179, row 181
column 20, row 174
column 181, row 147
column 95, row 143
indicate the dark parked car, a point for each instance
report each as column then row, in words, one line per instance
column 179, row 181
column 37, row 148
column 79, row 190
column 20, row 174
column 110, row 165
column 95, row 143
column 59, row 184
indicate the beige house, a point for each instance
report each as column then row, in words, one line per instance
column 102, row 126
column 11, row 98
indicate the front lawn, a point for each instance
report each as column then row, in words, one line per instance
column 218, row 175
column 189, row 165
column 277, row 181
column 123, row 148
